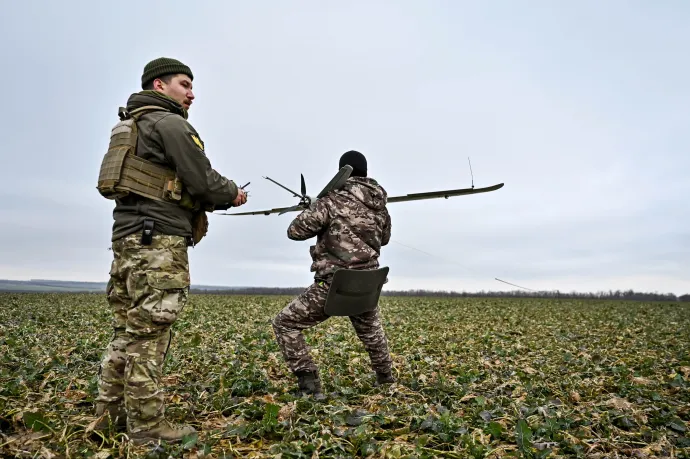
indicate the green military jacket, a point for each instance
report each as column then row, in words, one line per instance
column 168, row 139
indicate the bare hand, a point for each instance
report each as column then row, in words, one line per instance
column 240, row 199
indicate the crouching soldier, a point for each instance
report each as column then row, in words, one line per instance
column 351, row 225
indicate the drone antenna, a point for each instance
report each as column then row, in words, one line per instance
column 513, row 284
column 468, row 160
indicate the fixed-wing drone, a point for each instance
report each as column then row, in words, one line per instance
column 305, row 201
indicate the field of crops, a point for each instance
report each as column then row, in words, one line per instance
column 477, row 378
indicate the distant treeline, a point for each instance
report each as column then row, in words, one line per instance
column 628, row 295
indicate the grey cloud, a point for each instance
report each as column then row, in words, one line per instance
column 584, row 120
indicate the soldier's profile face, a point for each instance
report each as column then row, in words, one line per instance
column 180, row 89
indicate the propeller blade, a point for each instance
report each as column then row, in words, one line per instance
column 283, row 187
column 304, row 185
column 337, row 180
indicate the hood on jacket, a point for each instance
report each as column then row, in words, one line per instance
column 159, row 99
column 366, row 190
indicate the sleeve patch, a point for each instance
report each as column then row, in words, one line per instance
column 198, row 142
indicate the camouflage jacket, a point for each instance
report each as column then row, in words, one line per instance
column 351, row 225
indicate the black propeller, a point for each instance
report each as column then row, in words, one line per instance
column 306, row 201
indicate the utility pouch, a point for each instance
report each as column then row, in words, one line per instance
column 147, row 233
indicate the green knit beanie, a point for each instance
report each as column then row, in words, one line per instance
column 163, row 66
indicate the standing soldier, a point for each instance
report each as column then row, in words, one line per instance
column 351, row 224
column 163, row 184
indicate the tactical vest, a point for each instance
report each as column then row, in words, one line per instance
column 123, row 172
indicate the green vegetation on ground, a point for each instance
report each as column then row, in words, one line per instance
column 478, row 377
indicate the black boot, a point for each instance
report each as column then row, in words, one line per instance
column 309, row 383
column 384, row 378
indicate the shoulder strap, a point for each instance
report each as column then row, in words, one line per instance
column 138, row 112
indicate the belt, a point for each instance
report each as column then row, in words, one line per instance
column 147, row 234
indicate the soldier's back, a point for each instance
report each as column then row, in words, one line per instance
column 359, row 225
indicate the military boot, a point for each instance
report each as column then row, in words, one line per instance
column 384, row 378
column 309, row 383
column 115, row 414
column 165, row 431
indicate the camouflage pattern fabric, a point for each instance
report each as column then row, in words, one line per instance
column 148, row 289
column 351, row 225
column 306, row 311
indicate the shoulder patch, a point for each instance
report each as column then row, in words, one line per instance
column 198, row 142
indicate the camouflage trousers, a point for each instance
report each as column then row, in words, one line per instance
column 148, row 288
column 306, row 311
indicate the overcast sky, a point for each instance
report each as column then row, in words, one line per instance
column 580, row 108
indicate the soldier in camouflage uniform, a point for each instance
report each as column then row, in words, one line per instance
column 149, row 280
column 351, row 225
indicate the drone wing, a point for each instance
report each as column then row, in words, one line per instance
column 337, row 181
column 443, row 194
column 265, row 212
column 409, row 197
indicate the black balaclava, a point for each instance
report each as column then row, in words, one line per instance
column 357, row 161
